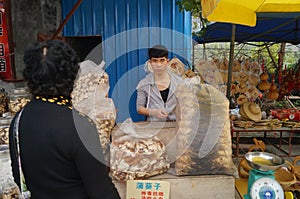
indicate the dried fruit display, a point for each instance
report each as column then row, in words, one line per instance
column 137, row 158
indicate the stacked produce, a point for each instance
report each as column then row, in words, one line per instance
column 18, row 98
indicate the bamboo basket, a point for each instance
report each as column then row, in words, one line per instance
column 297, row 167
column 243, row 169
column 286, row 176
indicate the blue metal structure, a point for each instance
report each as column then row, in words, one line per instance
column 129, row 28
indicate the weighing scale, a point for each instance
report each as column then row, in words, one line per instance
column 261, row 182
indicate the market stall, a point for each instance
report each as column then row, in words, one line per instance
column 260, row 102
column 194, row 150
column 189, row 154
column 256, row 88
column 180, row 186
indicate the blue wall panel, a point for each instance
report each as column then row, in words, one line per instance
column 129, row 28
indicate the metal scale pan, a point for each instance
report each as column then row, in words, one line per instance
column 264, row 161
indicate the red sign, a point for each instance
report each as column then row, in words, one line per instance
column 5, row 51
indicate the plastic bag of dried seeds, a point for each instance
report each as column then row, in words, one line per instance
column 135, row 155
column 89, row 96
column 203, row 131
column 90, row 78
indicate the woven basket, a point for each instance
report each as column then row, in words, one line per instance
column 260, row 145
column 286, row 176
column 243, row 167
column 294, row 187
column 297, row 167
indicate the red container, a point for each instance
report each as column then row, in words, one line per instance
column 290, row 114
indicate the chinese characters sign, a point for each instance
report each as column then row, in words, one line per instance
column 147, row 189
column 5, row 68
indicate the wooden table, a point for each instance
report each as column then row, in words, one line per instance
column 290, row 131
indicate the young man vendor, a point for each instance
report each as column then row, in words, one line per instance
column 155, row 93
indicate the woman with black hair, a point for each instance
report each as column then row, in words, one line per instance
column 60, row 151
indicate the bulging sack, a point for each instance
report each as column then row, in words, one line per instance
column 89, row 96
column 203, row 128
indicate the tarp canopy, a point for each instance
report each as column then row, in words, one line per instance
column 245, row 12
column 267, row 29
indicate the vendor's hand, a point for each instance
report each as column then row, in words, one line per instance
column 159, row 113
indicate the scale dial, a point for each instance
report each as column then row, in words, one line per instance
column 266, row 188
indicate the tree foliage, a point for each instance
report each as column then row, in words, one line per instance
column 193, row 6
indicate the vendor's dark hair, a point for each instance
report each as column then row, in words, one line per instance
column 51, row 68
column 158, row 51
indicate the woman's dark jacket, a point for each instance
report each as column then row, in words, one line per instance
column 60, row 153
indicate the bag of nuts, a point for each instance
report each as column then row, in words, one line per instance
column 137, row 156
column 9, row 190
column 3, row 102
column 89, row 96
column 203, row 131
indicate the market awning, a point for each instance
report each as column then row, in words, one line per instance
column 266, row 30
column 244, row 11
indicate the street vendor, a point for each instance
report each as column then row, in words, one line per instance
column 155, row 93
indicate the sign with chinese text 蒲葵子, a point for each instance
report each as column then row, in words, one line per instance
column 147, row 189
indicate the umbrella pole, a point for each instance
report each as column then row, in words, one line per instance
column 230, row 61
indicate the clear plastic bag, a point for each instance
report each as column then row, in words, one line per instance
column 210, row 72
column 176, row 66
column 9, row 189
column 137, row 156
column 204, row 139
column 89, row 96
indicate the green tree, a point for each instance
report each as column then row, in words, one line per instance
column 193, row 6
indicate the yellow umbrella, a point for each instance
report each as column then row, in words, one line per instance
column 244, row 11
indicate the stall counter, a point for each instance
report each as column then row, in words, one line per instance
column 181, row 187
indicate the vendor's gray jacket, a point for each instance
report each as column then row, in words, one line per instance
column 148, row 96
